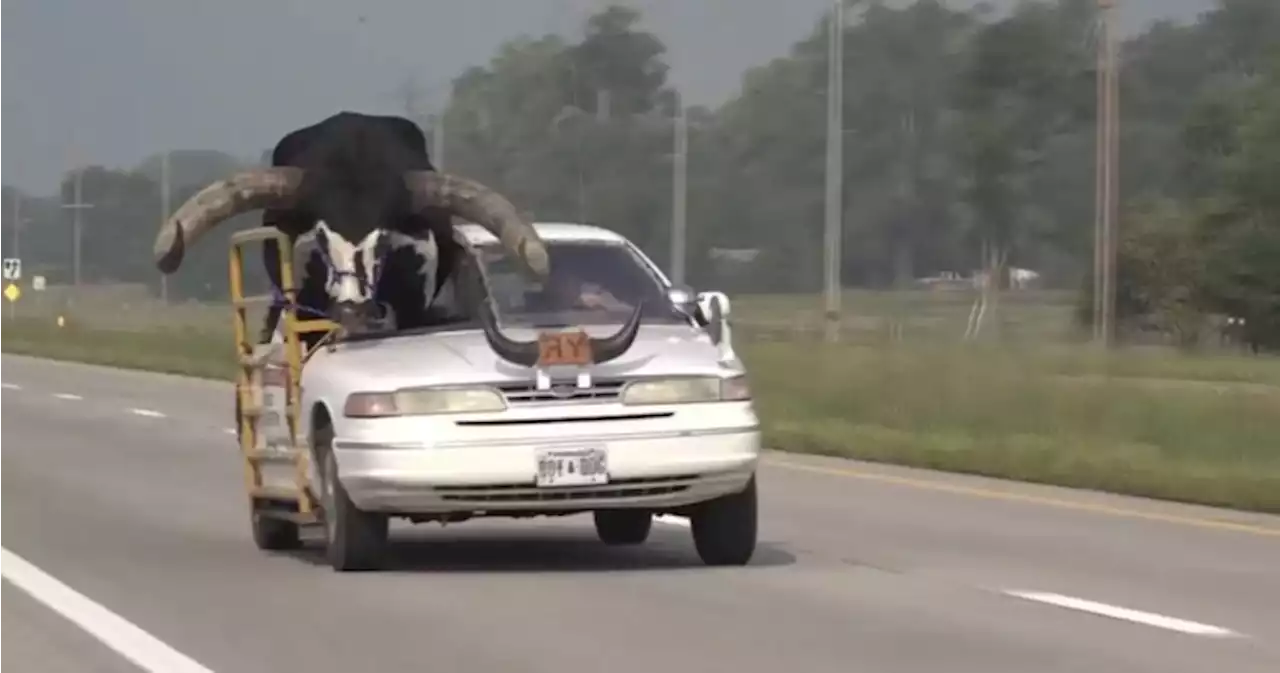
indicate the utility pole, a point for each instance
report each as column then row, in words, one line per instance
column 164, row 214
column 17, row 224
column 679, row 193
column 835, row 168
column 77, row 225
column 1105, row 239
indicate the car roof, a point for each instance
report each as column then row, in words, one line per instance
column 549, row 231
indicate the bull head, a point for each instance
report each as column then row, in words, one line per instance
column 278, row 188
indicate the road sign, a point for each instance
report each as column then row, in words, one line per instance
column 37, row 283
column 12, row 293
column 12, row 268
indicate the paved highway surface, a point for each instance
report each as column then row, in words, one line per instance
column 126, row 547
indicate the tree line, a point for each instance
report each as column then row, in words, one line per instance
column 969, row 140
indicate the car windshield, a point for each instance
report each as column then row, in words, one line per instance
column 592, row 282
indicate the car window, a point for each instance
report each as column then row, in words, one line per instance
column 591, row 281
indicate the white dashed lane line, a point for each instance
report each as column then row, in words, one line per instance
column 11, row 386
column 1126, row 614
column 149, row 413
column 672, row 520
column 67, row 396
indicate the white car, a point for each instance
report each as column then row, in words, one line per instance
column 435, row 425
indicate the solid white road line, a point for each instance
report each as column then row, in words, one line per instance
column 11, row 386
column 672, row 520
column 131, row 642
column 147, row 412
column 1137, row 616
column 67, row 396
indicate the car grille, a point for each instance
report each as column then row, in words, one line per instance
column 601, row 390
column 515, row 493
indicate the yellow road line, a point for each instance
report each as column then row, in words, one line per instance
column 991, row 494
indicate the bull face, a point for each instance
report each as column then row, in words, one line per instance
column 352, row 270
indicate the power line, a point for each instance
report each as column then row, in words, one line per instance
column 77, row 226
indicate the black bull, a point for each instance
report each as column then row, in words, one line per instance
column 381, row 216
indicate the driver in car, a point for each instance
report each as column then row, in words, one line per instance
column 574, row 289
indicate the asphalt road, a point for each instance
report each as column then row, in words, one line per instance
column 126, row 538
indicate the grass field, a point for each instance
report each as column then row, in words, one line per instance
column 1202, row 428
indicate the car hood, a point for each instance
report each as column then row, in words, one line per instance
column 464, row 356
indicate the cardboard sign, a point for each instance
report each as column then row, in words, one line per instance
column 564, row 349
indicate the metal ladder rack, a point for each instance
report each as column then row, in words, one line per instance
column 297, row 503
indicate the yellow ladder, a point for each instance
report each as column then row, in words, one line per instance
column 297, row 503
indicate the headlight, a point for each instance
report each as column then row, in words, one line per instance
column 423, row 401
column 686, row 390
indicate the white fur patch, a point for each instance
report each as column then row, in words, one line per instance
column 343, row 283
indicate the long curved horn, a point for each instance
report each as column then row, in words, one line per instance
column 613, row 346
column 222, row 200
column 524, row 353
column 473, row 201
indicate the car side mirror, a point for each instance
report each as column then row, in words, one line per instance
column 713, row 308
column 683, row 298
column 681, row 295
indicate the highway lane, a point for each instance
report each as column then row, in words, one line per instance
column 125, row 486
column 37, row 639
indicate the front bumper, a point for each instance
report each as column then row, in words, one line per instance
column 662, row 471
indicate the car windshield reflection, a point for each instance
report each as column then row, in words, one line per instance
column 592, row 282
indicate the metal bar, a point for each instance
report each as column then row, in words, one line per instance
column 257, row 234
column 293, row 392
column 248, row 429
column 314, row 325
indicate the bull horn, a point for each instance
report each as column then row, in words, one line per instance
column 478, row 203
column 218, row 202
column 613, row 346
column 525, row 353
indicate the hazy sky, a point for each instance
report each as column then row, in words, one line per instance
column 115, row 80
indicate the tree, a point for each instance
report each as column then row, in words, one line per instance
column 1019, row 92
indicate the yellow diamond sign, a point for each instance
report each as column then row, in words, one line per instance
column 12, row 292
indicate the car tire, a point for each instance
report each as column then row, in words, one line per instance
column 725, row 529
column 623, row 526
column 239, row 429
column 355, row 539
column 274, row 534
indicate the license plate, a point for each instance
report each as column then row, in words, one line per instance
column 572, row 467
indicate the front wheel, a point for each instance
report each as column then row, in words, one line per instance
column 724, row 529
column 623, row 526
column 356, row 540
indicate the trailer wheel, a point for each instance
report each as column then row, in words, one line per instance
column 724, row 529
column 356, row 540
column 274, row 534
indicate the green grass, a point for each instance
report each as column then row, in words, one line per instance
column 1034, row 417
column 1203, row 429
